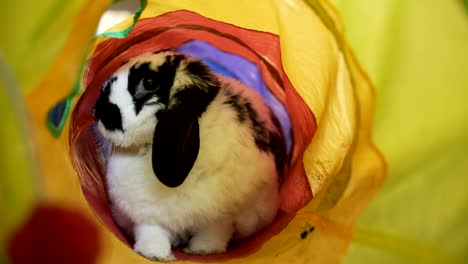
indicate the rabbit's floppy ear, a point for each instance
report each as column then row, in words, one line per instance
column 176, row 138
column 176, row 141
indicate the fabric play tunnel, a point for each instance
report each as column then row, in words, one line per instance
column 293, row 54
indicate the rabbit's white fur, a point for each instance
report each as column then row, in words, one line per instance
column 231, row 190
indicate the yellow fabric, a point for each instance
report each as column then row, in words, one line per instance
column 46, row 48
column 343, row 166
column 416, row 53
column 18, row 182
column 33, row 33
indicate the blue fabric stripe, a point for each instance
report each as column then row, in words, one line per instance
column 241, row 69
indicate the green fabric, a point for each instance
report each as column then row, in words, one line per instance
column 56, row 131
column 125, row 32
column 415, row 53
column 465, row 4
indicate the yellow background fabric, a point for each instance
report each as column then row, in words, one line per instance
column 18, row 179
column 33, row 33
column 34, row 166
column 416, row 54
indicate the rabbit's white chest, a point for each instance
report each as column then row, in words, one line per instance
column 135, row 191
column 230, row 180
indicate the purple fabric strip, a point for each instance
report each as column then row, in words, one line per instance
column 239, row 68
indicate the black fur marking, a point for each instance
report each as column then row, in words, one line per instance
column 278, row 146
column 145, row 83
column 234, row 101
column 123, row 63
column 107, row 85
column 176, row 139
column 176, row 142
column 196, row 68
column 107, row 112
column 163, row 50
column 266, row 140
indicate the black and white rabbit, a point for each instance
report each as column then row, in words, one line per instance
column 193, row 155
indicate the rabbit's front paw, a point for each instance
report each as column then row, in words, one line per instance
column 153, row 242
column 211, row 240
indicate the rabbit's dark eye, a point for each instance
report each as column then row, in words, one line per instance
column 149, row 84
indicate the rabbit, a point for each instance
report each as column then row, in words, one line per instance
column 194, row 161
